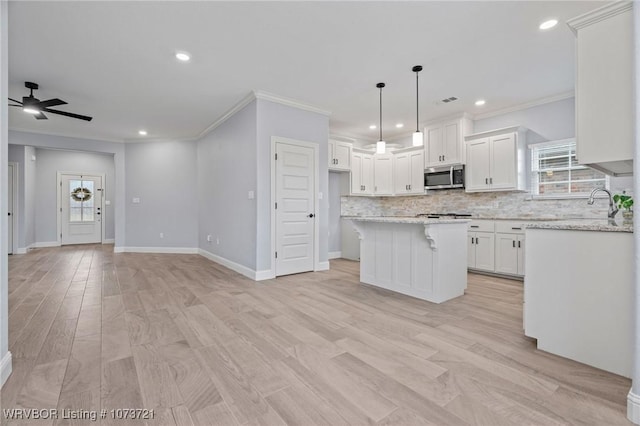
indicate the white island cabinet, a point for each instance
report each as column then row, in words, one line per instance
column 578, row 291
column 423, row 258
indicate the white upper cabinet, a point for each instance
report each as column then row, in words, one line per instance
column 444, row 142
column 339, row 154
column 361, row 173
column 383, row 174
column 408, row 174
column 604, row 88
column 496, row 160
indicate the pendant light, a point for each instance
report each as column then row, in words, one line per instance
column 381, row 146
column 418, row 139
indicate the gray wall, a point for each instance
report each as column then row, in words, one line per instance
column 226, row 167
column 4, row 143
column 163, row 175
column 48, row 163
column 16, row 155
column 30, row 176
column 335, row 181
column 284, row 121
column 86, row 145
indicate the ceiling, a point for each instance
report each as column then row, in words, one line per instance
column 115, row 61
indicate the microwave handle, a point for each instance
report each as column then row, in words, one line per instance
column 451, row 175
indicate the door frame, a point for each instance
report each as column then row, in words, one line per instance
column 16, row 208
column 59, row 175
column 316, row 190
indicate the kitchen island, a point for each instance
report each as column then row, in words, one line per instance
column 420, row 257
column 578, row 291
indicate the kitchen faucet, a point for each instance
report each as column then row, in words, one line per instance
column 612, row 207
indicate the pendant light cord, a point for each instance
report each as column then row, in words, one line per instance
column 380, row 113
column 417, row 105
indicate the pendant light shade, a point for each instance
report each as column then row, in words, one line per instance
column 381, row 145
column 418, row 138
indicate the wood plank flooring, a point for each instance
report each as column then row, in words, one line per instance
column 202, row 345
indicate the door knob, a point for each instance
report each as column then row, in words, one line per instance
column 311, row 215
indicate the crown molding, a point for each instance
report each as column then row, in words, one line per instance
column 227, row 115
column 599, row 14
column 526, row 105
column 63, row 135
column 266, row 96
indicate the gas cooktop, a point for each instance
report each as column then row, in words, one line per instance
column 445, row 215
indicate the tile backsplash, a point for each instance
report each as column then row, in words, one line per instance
column 480, row 204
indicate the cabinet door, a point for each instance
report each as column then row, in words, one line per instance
column 503, row 162
column 433, row 146
column 342, row 155
column 478, row 167
column 402, row 174
column 471, row 250
column 331, row 149
column 507, row 253
column 367, row 174
column 416, row 178
column 383, row 174
column 521, row 255
column 485, row 251
column 451, row 143
column 356, row 174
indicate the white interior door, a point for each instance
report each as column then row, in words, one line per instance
column 10, row 209
column 295, row 208
column 81, row 209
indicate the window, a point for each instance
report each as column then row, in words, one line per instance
column 557, row 174
column 81, row 201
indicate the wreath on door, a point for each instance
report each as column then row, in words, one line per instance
column 81, row 194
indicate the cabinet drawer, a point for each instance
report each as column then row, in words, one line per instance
column 482, row 226
column 509, row 227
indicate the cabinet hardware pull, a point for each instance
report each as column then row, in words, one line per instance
column 515, row 227
column 475, row 226
column 518, row 244
column 443, row 158
column 491, row 180
column 337, row 161
column 475, row 242
column 486, row 181
column 409, row 187
column 514, row 244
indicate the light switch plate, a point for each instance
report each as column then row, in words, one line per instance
column 252, row 195
column 107, row 202
column 136, row 200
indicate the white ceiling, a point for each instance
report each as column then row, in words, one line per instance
column 115, row 60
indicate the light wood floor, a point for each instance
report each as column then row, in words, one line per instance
column 201, row 344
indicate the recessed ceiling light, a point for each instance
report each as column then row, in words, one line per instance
column 183, row 56
column 373, row 126
column 399, row 125
column 142, row 132
column 480, row 102
column 548, row 24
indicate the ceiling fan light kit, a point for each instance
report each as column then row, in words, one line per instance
column 32, row 105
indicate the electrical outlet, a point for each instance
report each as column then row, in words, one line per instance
column 209, row 238
column 162, row 235
column 217, row 240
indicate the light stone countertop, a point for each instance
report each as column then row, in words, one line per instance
column 404, row 219
column 602, row 225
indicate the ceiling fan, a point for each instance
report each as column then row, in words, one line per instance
column 35, row 106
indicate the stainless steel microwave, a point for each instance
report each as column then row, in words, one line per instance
column 446, row 177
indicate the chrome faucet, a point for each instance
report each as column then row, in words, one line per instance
column 613, row 210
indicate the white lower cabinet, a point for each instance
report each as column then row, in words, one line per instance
column 496, row 246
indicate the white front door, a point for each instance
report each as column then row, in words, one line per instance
column 10, row 209
column 295, row 208
column 81, row 209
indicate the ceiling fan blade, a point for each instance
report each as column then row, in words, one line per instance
column 68, row 114
column 51, row 102
column 19, row 106
column 40, row 116
column 13, row 100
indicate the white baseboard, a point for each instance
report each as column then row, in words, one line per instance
column 164, row 250
column 5, row 368
column 241, row 269
column 43, row 244
column 633, row 407
column 108, row 241
column 22, row 250
column 323, row 266
column 335, row 255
